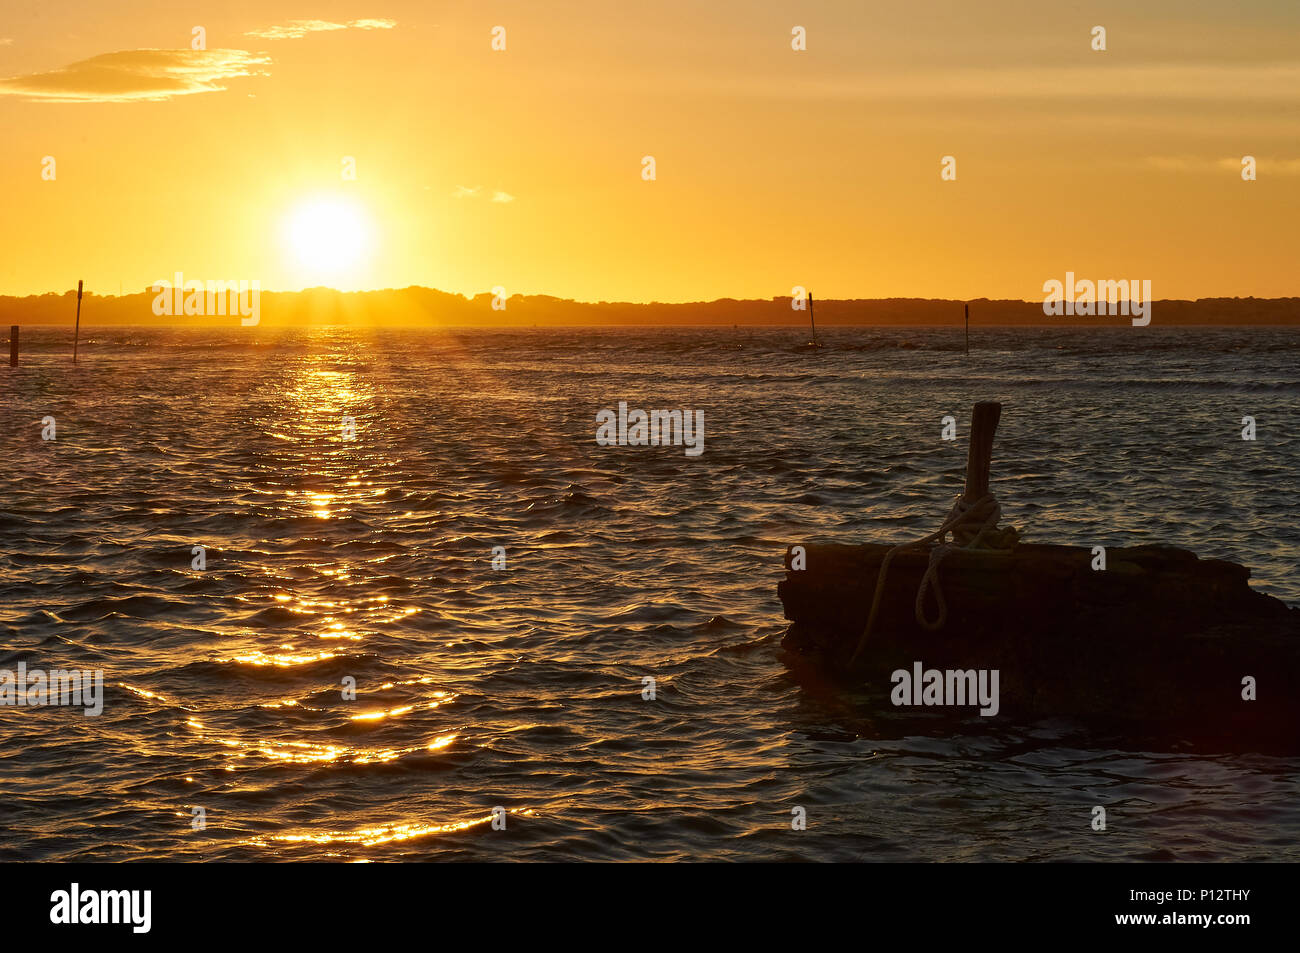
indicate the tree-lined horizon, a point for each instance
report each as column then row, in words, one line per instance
column 430, row 307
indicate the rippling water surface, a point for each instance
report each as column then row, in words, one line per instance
column 522, row 688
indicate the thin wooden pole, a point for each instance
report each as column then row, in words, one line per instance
column 811, row 319
column 77, row 334
column 13, row 345
column 966, row 308
column 983, row 425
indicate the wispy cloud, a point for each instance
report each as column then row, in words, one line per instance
column 473, row 192
column 297, row 29
column 6, row 40
column 1201, row 164
column 137, row 75
column 1179, row 82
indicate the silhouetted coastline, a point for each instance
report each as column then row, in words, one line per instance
column 418, row 306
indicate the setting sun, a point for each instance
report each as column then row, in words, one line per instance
column 328, row 239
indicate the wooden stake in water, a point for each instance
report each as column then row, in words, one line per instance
column 967, row 310
column 76, row 335
column 13, row 345
column 811, row 319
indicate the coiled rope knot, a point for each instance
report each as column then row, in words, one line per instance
column 973, row 525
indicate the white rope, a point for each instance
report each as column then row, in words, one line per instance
column 973, row 525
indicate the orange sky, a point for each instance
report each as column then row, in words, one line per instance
column 522, row 169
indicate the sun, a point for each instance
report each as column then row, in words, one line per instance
column 328, row 239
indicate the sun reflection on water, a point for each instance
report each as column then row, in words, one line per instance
column 285, row 659
column 379, row 835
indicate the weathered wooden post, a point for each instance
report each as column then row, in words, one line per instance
column 13, row 345
column 983, row 425
column 77, row 333
column 966, row 308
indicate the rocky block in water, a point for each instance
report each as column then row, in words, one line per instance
column 1159, row 638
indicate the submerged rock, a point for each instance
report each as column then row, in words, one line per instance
column 1158, row 642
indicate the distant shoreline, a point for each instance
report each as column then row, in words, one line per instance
column 425, row 307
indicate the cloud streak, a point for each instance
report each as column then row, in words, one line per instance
column 297, row 29
column 1267, row 166
column 468, row 192
column 1231, row 84
column 137, row 76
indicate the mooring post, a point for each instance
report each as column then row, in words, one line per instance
column 966, row 308
column 76, row 335
column 983, row 425
column 13, row 345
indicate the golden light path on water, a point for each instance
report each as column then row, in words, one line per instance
column 380, row 835
column 321, row 411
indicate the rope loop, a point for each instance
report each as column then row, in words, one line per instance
column 932, row 576
column 973, row 526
